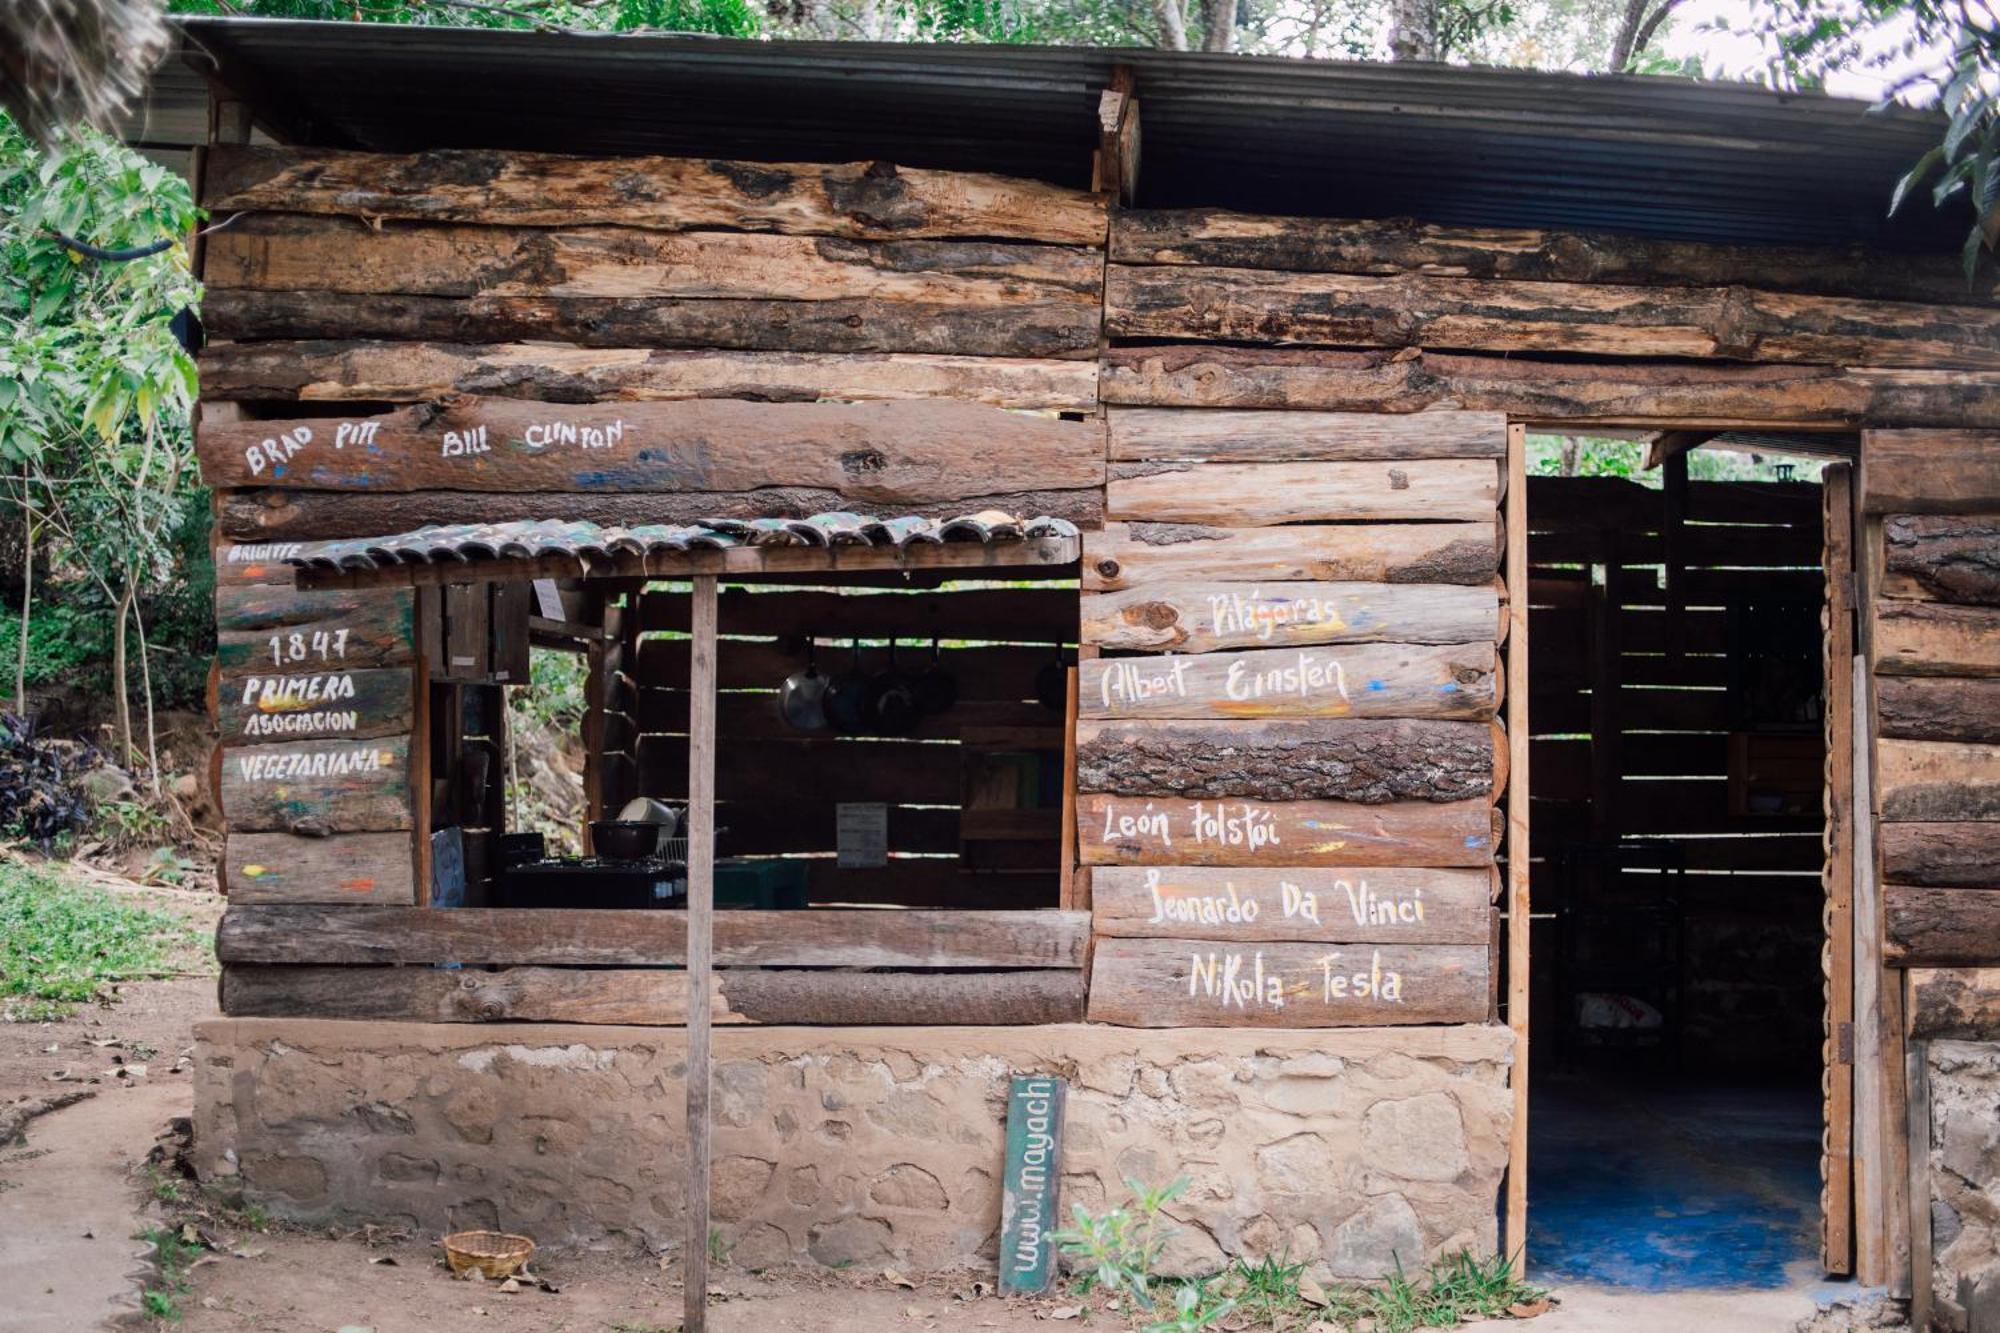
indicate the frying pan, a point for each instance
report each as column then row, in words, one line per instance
column 802, row 698
column 893, row 700
column 849, row 697
column 936, row 689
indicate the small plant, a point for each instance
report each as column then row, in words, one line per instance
column 1196, row 1307
column 132, row 823
column 718, row 1248
column 162, row 1297
column 1116, row 1251
column 163, row 1186
column 167, row 866
column 1269, row 1288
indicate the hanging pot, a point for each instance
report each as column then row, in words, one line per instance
column 936, row 689
column 849, row 699
column 1052, row 683
column 894, row 700
column 802, row 698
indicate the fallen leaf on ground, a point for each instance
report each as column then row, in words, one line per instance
column 1529, row 1309
column 1310, row 1291
column 510, row 1286
column 895, row 1279
column 913, row 1312
column 248, row 1254
column 386, row 1260
column 1067, row 1312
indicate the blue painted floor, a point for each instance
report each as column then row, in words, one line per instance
column 1667, row 1185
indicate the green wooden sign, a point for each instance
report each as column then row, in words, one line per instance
column 1028, row 1217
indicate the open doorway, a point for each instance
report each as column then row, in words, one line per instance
column 1678, row 750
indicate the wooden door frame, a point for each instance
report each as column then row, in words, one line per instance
column 1861, row 1220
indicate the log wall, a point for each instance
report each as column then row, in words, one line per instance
column 1288, row 757
column 1932, row 499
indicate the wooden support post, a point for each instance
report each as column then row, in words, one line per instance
column 1516, row 1237
column 1842, row 1204
column 1917, row 1153
column 1673, row 530
column 701, row 912
column 1068, row 895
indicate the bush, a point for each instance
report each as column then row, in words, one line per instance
column 40, row 797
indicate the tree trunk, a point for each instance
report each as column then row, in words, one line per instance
column 1218, row 19
column 146, row 684
column 1413, row 30
column 118, row 663
column 27, row 600
column 1173, row 24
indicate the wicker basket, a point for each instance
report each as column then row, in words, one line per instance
column 493, row 1253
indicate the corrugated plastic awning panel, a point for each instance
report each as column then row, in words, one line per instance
column 831, row 541
column 1647, row 156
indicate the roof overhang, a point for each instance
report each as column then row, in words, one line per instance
column 1449, row 144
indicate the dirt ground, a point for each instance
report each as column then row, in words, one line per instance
column 79, row 1190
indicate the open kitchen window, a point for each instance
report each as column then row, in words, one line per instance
column 893, row 756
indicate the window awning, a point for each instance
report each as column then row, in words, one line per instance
column 839, row 541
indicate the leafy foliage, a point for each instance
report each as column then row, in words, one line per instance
column 1115, row 1251
column 721, row 18
column 1933, row 53
column 39, row 797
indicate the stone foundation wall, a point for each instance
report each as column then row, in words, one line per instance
column 1357, row 1147
column 1965, row 1184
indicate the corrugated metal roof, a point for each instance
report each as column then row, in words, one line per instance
column 466, row 543
column 1647, row 156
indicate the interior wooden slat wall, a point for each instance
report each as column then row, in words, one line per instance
column 779, row 789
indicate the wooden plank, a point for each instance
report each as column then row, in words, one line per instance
column 1595, row 318
column 1075, row 889
column 1945, row 856
column 1943, row 557
column 1939, row 708
column 745, row 715
column 876, row 452
column 1928, row 639
column 1954, row 1004
column 1293, row 437
column 239, row 565
column 1877, row 1047
column 1263, row 494
column 371, row 629
column 1384, row 905
column 948, row 326
column 1217, row 237
column 653, row 997
column 1364, row 760
column 854, row 199
column 1362, row 680
column 1199, row 618
column 353, row 868
column 273, row 512
column 701, row 780
column 1519, row 883
column 1840, row 1197
column 1937, row 781
column 317, row 787
column 823, row 937
column 1227, row 983
column 1930, row 472
column 281, row 252
column 331, row 371
column 1014, row 615
column 256, row 709
column 281, row 605
column 1640, row 395
column 1116, row 830
column 1128, row 555
column 1941, row 927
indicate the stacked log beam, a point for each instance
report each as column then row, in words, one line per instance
column 1935, row 624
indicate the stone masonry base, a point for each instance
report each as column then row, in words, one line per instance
column 1354, row 1147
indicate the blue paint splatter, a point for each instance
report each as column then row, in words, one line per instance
column 1378, row 685
column 1449, row 687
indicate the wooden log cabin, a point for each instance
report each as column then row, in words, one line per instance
column 1197, row 489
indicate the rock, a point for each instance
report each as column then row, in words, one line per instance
column 1372, row 1242
column 905, row 1185
column 850, row 1241
column 104, row 785
column 1415, row 1138
column 186, row 787
column 738, row 1183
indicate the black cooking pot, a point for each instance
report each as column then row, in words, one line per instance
column 625, row 839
